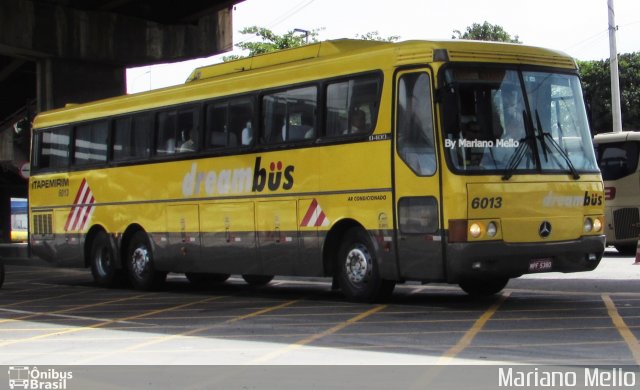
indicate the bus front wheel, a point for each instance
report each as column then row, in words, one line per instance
column 140, row 266
column 358, row 273
column 103, row 262
column 483, row 288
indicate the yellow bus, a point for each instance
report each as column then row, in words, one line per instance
column 617, row 156
column 372, row 163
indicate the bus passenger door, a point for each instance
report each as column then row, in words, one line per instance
column 416, row 178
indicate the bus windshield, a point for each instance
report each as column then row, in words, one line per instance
column 506, row 121
column 617, row 159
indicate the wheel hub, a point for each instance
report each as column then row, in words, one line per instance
column 140, row 261
column 104, row 262
column 358, row 265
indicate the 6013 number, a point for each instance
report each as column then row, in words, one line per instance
column 486, row 203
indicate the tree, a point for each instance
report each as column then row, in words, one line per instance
column 596, row 81
column 269, row 41
column 375, row 36
column 485, row 32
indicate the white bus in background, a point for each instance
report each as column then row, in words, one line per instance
column 617, row 155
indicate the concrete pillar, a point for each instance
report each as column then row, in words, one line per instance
column 62, row 81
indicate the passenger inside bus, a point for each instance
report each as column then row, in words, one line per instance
column 247, row 134
column 357, row 122
column 189, row 143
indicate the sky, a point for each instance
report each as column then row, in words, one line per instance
column 577, row 27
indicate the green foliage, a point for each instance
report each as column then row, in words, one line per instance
column 596, row 81
column 375, row 36
column 269, row 41
column 485, row 32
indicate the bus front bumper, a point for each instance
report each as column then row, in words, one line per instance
column 490, row 259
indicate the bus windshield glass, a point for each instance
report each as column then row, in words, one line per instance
column 508, row 121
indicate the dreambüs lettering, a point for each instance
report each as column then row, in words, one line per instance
column 238, row 180
column 589, row 199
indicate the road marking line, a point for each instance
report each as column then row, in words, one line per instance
column 468, row 337
column 623, row 329
column 191, row 332
column 74, row 308
column 308, row 340
column 109, row 322
column 58, row 315
column 44, row 298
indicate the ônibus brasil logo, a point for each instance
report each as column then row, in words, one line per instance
column 25, row 377
column 275, row 176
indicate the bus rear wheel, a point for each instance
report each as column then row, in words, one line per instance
column 103, row 262
column 358, row 274
column 257, row 280
column 483, row 287
column 140, row 266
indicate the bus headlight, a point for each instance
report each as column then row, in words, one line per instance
column 597, row 225
column 588, row 225
column 475, row 230
column 492, row 229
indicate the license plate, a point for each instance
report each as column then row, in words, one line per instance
column 540, row 265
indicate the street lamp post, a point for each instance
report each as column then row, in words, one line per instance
column 616, row 111
column 305, row 32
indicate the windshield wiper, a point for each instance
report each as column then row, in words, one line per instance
column 517, row 157
column 520, row 152
column 544, row 135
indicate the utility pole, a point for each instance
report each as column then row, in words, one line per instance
column 616, row 111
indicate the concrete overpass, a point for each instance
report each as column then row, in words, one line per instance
column 54, row 52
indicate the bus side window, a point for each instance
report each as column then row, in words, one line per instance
column 241, row 121
column 91, row 143
column 132, row 137
column 122, row 139
column 53, row 148
column 141, row 128
column 414, row 126
column 188, row 134
column 352, row 106
column 166, row 133
column 289, row 115
column 274, row 119
column 216, row 125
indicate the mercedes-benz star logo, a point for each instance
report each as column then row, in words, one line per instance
column 545, row 229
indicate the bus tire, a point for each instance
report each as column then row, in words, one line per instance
column 103, row 262
column 204, row 280
column 483, row 287
column 257, row 280
column 140, row 266
column 358, row 274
